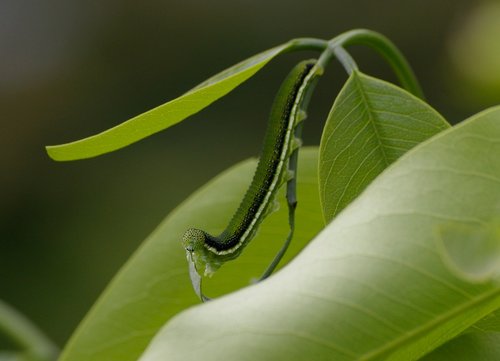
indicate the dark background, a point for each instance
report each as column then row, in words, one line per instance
column 71, row 68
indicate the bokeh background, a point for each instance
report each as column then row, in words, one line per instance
column 71, row 68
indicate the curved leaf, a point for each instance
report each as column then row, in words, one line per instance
column 165, row 115
column 372, row 285
column 371, row 124
column 154, row 285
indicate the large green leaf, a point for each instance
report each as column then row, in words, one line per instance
column 154, row 285
column 165, row 115
column 371, row 124
column 372, row 285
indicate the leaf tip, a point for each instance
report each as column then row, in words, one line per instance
column 52, row 152
column 59, row 153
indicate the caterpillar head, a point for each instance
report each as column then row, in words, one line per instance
column 193, row 240
column 194, row 243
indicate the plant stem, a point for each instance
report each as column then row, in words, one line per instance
column 26, row 335
column 387, row 50
column 307, row 44
column 345, row 59
column 378, row 42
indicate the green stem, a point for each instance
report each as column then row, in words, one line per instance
column 345, row 59
column 387, row 50
column 26, row 335
column 307, row 44
column 378, row 42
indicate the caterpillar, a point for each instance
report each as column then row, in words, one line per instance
column 276, row 166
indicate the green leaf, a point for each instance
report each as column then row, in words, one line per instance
column 479, row 342
column 469, row 347
column 490, row 323
column 372, row 285
column 371, row 124
column 154, row 285
column 472, row 250
column 166, row 115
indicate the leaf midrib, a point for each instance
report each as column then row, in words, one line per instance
column 371, row 117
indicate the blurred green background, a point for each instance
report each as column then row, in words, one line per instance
column 71, row 68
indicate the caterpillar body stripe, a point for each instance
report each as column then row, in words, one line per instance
column 210, row 252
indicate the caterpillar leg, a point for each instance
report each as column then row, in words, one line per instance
column 196, row 278
column 291, row 197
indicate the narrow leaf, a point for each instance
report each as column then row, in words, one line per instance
column 154, row 284
column 372, row 285
column 166, row 115
column 371, row 124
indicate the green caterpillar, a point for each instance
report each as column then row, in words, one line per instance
column 277, row 165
